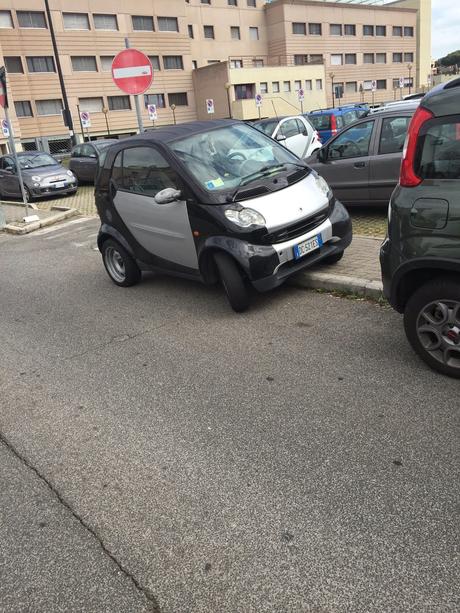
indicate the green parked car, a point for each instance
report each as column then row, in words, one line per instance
column 420, row 258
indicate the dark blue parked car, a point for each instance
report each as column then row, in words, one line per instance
column 328, row 122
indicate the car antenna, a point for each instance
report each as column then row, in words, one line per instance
column 276, row 114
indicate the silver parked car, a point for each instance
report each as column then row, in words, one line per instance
column 42, row 175
column 296, row 133
column 85, row 158
column 362, row 162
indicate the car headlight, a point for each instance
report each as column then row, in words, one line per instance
column 323, row 186
column 70, row 173
column 36, row 179
column 245, row 217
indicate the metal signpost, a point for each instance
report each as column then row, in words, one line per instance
column 210, row 106
column 7, row 129
column 374, row 88
column 85, row 122
column 152, row 111
column 401, row 86
column 132, row 72
column 301, row 94
column 258, row 102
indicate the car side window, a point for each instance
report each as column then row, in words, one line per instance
column 339, row 122
column 144, row 171
column 8, row 163
column 290, row 128
column 301, row 126
column 352, row 143
column 87, row 151
column 393, row 134
column 349, row 117
column 438, row 149
column 76, row 153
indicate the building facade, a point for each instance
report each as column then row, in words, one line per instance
column 273, row 49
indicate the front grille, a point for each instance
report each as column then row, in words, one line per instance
column 297, row 229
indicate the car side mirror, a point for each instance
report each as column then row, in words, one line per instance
column 165, row 196
column 280, row 137
column 322, row 154
column 10, row 169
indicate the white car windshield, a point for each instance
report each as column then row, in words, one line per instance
column 36, row 161
column 227, row 157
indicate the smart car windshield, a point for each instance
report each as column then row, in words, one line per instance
column 267, row 127
column 227, row 157
column 36, row 161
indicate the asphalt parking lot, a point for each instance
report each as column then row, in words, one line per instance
column 161, row 453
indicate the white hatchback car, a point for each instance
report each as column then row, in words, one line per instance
column 295, row 133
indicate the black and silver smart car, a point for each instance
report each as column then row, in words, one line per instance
column 215, row 200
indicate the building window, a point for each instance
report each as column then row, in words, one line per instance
column 205, row 1
column 232, row 2
column 106, row 62
column 397, row 58
column 409, row 57
column 105, row 22
column 208, row 31
column 190, row 31
column 23, row 108
column 381, row 84
column 179, row 99
column 119, row 103
column 157, row 99
column 75, row 21
column 235, row 32
column 319, row 84
column 350, row 58
column 31, row 19
column 315, row 29
column 380, row 58
column 142, row 23
column 194, row 64
column 351, row 87
column 395, row 83
column 83, row 63
column 368, row 30
column 275, row 87
column 408, row 82
column 244, row 91
column 335, row 29
column 368, row 58
column 336, row 59
column 397, row 31
column 350, row 29
column 173, row 62
column 286, row 86
column 92, row 105
column 168, row 24
column 236, row 63
column 13, row 63
column 308, row 85
column 41, row 64
column 155, row 61
column 380, row 30
column 408, row 31
column 263, row 87
column 5, row 19
column 258, row 63
column 315, row 58
column 300, row 60
column 299, row 28
column 251, row 3
column 49, row 107
column 297, row 85
column 253, row 33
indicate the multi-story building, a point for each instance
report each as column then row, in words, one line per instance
column 228, row 50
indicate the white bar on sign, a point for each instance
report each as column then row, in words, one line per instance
column 132, row 71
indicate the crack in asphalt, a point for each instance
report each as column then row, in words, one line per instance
column 144, row 591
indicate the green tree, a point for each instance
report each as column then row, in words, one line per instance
column 450, row 59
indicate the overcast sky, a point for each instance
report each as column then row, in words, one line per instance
column 445, row 33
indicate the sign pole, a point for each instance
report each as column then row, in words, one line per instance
column 16, row 160
column 301, row 106
column 140, row 123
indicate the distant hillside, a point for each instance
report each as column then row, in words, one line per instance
column 450, row 59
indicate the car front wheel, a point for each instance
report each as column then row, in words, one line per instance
column 232, row 281
column 432, row 324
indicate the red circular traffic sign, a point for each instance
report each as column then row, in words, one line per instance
column 132, row 71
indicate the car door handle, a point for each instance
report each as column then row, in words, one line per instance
column 359, row 164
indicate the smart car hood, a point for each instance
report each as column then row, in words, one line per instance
column 291, row 204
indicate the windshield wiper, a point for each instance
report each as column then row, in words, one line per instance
column 265, row 171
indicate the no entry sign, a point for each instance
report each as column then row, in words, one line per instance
column 132, row 71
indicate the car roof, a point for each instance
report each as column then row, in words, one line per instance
column 168, row 134
column 259, row 122
column 337, row 109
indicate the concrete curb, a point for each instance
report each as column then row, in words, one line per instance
column 369, row 288
column 60, row 215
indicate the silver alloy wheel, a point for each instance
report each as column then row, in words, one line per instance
column 438, row 330
column 115, row 264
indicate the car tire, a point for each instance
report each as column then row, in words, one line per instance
column 120, row 266
column 432, row 324
column 232, row 281
column 333, row 259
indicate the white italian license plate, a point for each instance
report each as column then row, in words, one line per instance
column 307, row 246
column 59, row 185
